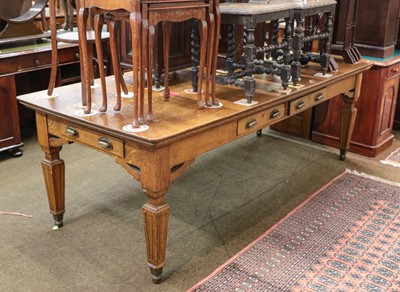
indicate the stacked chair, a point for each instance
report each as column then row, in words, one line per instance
column 282, row 57
column 287, row 55
column 143, row 16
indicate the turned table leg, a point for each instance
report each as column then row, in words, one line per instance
column 249, row 53
column 349, row 113
column 53, row 171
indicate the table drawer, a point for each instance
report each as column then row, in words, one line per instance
column 393, row 71
column 298, row 105
column 318, row 97
column 99, row 141
column 261, row 119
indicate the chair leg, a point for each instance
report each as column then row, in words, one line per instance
column 217, row 14
column 82, row 19
column 210, row 39
column 203, row 42
column 117, row 49
column 166, row 27
column 115, row 63
column 135, row 23
column 54, row 52
column 98, row 24
column 71, row 15
column 123, row 83
column 150, row 74
column 144, row 66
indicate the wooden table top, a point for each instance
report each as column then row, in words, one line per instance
column 180, row 116
column 10, row 50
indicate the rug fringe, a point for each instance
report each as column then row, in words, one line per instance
column 390, row 163
column 376, row 178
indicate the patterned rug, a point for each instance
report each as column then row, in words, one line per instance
column 393, row 159
column 345, row 237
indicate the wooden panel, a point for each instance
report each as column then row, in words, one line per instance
column 390, row 93
column 298, row 125
column 396, row 122
column 378, row 37
column 9, row 129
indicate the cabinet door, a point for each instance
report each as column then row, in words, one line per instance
column 9, row 123
column 389, row 99
column 396, row 123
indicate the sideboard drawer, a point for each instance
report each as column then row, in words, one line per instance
column 393, row 71
column 99, row 141
column 38, row 60
column 261, row 119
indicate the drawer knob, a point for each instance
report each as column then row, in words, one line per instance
column 319, row 97
column 274, row 114
column 36, row 62
column 300, row 105
column 72, row 132
column 77, row 55
column 105, row 143
column 251, row 123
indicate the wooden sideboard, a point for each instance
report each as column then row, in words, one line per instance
column 375, row 116
column 18, row 60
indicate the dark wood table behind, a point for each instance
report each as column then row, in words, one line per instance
column 25, row 68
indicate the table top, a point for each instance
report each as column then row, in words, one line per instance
column 271, row 6
column 180, row 116
column 11, row 50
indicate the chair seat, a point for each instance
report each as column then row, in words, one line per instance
column 73, row 36
column 178, row 6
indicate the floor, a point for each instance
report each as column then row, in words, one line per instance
column 220, row 204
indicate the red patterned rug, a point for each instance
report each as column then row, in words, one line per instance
column 393, row 159
column 345, row 237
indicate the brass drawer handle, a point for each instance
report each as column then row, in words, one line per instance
column 105, row 143
column 36, row 62
column 319, row 97
column 72, row 132
column 251, row 123
column 300, row 105
column 274, row 114
column 395, row 70
column 77, row 56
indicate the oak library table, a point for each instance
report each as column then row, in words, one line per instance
column 181, row 131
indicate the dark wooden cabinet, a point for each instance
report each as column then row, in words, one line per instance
column 376, row 30
column 28, row 67
column 10, row 137
column 375, row 112
column 180, row 49
column 377, row 25
column 396, row 123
